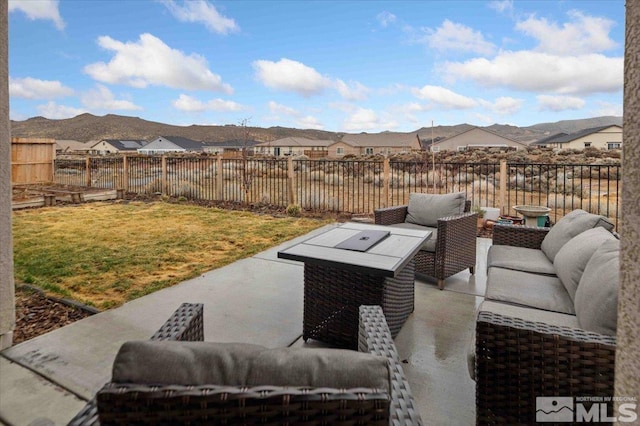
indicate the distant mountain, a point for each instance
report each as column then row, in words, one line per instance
column 88, row 127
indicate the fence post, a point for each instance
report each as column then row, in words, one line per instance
column 385, row 182
column 290, row 178
column 163, row 179
column 88, row 174
column 503, row 187
column 125, row 173
column 219, row 188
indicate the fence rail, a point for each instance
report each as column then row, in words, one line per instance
column 352, row 186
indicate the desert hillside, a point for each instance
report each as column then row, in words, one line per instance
column 87, row 127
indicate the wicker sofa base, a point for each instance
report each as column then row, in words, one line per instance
column 332, row 297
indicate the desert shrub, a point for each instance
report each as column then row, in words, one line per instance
column 563, row 202
column 333, row 179
column 294, row 210
column 317, row 175
column 183, row 188
column 154, row 187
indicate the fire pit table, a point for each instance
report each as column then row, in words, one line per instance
column 346, row 267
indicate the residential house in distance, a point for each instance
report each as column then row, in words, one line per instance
column 475, row 138
column 384, row 143
column 295, row 146
column 230, row 147
column 114, row 146
column 603, row 137
column 68, row 146
column 168, row 144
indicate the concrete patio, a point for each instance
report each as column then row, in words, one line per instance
column 48, row 379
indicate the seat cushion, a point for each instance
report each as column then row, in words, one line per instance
column 513, row 311
column 430, row 244
column 520, row 259
column 596, row 298
column 526, row 289
column 426, row 209
column 568, row 227
column 574, row 255
column 238, row 364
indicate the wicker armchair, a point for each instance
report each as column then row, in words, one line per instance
column 455, row 245
column 518, row 360
column 135, row 403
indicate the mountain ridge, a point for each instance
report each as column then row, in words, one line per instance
column 88, row 127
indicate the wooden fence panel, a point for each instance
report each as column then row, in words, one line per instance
column 32, row 160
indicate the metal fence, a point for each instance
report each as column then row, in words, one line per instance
column 352, row 186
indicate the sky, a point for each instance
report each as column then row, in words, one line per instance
column 342, row 66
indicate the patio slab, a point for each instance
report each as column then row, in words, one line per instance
column 255, row 300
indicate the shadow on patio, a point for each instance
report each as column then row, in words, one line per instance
column 256, row 300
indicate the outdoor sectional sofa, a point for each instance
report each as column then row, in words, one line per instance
column 547, row 325
column 175, row 378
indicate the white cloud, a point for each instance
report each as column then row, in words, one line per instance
column 101, row 98
column 503, row 6
column 41, row 9
column 54, row 111
column 444, row 98
column 33, row 88
column 354, row 91
column 277, row 108
column 386, row 18
column 459, row 37
column 292, row 76
column 203, row 12
column 507, row 105
column 483, row 118
column 191, row 104
column 310, row 122
column 559, row 103
column 367, row 119
column 608, row 108
column 541, row 72
column 583, row 35
column 149, row 61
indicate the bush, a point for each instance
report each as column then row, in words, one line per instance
column 294, row 210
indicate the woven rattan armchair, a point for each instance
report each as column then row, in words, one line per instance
column 518, row 360
column 455, row 245
column 210, row 404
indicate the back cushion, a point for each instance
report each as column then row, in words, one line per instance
column 568, row 227
column 239, row 364
column 596, row 299
column 574, row 255
column 426, row 209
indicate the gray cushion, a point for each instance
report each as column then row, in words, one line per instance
column 238, row 364
column 527, row 289
column 430, row 244
column 574, row 255
column 520, row 259
column 597, row 293
column 568, row 227
column 426, row 209
column 513, row 311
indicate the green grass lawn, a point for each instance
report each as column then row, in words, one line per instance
column 105, row 254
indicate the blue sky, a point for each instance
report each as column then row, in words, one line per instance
column 347, row 66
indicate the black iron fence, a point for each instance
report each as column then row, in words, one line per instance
column 353, row 186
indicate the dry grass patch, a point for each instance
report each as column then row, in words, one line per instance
column 106, row 254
